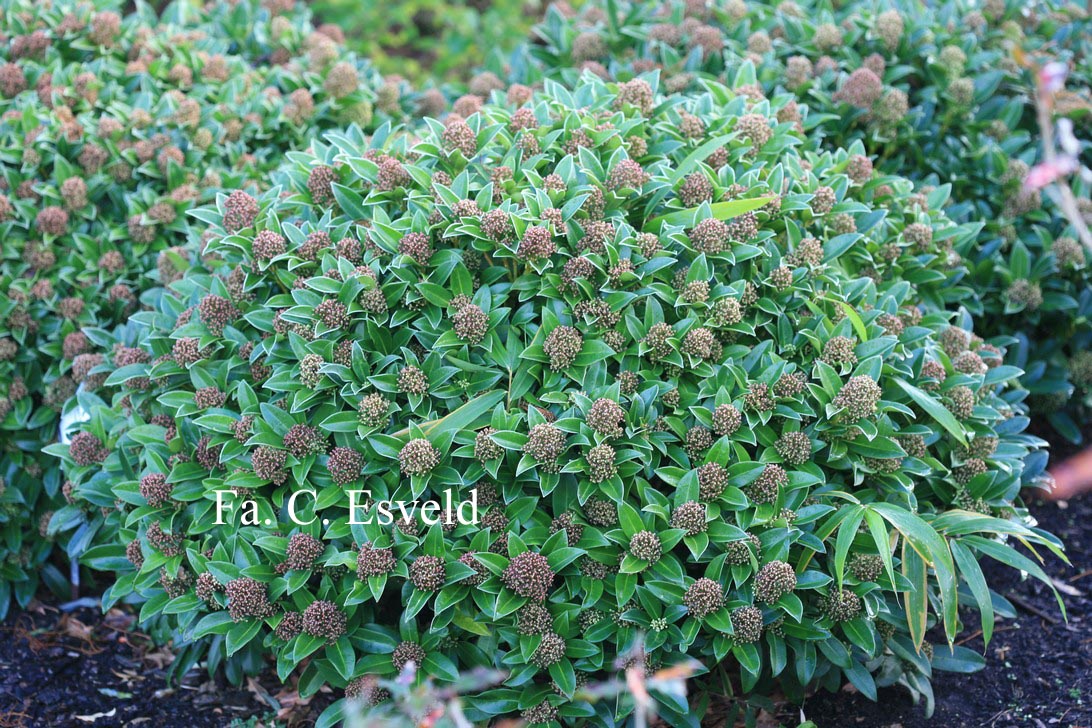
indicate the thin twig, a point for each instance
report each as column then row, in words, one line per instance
column 1078, row 577
column 978, row 633
column 1028, row 606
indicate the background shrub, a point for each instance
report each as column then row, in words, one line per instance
column 695, row 373
column 431, row 39
column 113, row 128
column 935, row 93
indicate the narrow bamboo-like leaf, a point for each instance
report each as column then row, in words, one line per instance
column 916, row 600
column 972, row 574
column 932, row 548
column 963, row 523
column 1010, row 556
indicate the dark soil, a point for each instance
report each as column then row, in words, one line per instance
column 86, row 669
column 1039, row 667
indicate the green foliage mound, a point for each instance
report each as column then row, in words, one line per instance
column 935, row 92
column 111, row 128
column 430, row 39
column 680, row 363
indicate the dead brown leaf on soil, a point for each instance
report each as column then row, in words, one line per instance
column 76, row 629
column 158, row 659
column 13, row 719
column 128, row 676
column 67, row 629
column 294, row 709
column 255, row 687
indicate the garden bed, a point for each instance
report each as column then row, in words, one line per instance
column 83, row 668
column 1039, row 667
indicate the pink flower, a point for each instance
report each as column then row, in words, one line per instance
column 1046, row 173
column 1052, row 77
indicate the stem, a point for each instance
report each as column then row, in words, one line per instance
column 1044, row 103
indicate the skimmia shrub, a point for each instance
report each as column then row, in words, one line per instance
column 112, row 128
column 681, row 368
column 938, row 93
column 429, row 38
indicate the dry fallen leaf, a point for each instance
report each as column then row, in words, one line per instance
column 260, row 692
column 293, row 707
column 75, row 628
column 767, row 720
column 127, row 676
column 159, row 659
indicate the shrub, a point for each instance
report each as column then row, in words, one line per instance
column 113, row 128
column 430, row 38
column 589, row 535
column 938, row 96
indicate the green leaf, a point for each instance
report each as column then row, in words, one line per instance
column 278, row 419
column 938, row 196
column 855, row 319
column 957, row 659
column 698, row 155
column 721, row 211
column 935, row 410
column 461, row 418
column 341, row 422
column 125, row 373
column 846, row 533
column 333, row 716
column 976, row 581
column 860, row 633
column 883, row 543
column 917, row 598
column 629, row 519
column 350, row 201
column 861, row 679
column 240, row 634
column 340, row 654
column 563, row 674
column 215, row 623
column 749, row 658
column 1010, row 556
column 838, row 245
column 933, row 549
